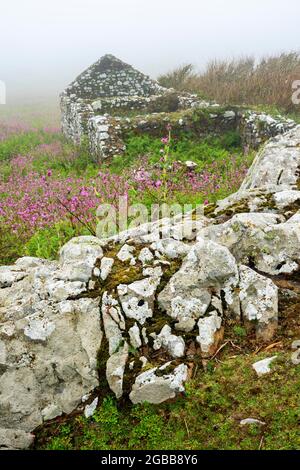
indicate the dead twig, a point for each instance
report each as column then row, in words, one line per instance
column 220, row 349
column 273, row 345
column 219, row 361
column 235, row 345
column 257, row 350
column 195, row 371
column 186, row 427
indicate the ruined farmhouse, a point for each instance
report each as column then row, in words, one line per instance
column 111, row 99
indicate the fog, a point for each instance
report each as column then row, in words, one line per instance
column 45, row 45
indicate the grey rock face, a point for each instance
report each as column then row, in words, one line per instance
column 277, row 164
column 273, row 247
column 15, row 439
column 48, row 343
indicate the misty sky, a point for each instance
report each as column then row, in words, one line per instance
column 45, row 44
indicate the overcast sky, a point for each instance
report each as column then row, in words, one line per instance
column 45, row 44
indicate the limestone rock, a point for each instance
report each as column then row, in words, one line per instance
column 115, row 367
column 137, row 298
column 207, row 265
column 259, row 302
column 295, row 344
column 157, row 385
column 263, row 367
column 15, row 439
column 51, row 411
column 78, row 257
column 105, row 267
column 247, row 421
column 48, row 349
column 126, row 253
column 145, row 256
column 135, row 337
column 171, row 248
column 113, row 322
column 271, row 246
column 90, row 409
column 277, row 164
column 173, row 344
column 210, row 333
column 185, row 305
column 295, row 357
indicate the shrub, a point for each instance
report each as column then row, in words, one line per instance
column 242, row 81
column 180, row 78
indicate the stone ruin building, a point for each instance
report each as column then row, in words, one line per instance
column 111, row 99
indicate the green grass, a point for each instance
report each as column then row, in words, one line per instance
column 185, row 147
column 206, row 418
column 23, row 143
column 46, row 243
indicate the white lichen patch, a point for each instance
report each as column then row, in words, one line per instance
column 39, row 329
column 105, row 267
column 175, row 345
column 259, row 300
column 145, row 256
column 126, row 253
column 208, row 327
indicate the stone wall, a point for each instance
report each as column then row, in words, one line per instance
column 111, row 99
column 107, row 134
column 255, row 128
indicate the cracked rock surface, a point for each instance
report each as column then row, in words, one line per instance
column 140, row 302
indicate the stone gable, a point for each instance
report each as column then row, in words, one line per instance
column 111, row 77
